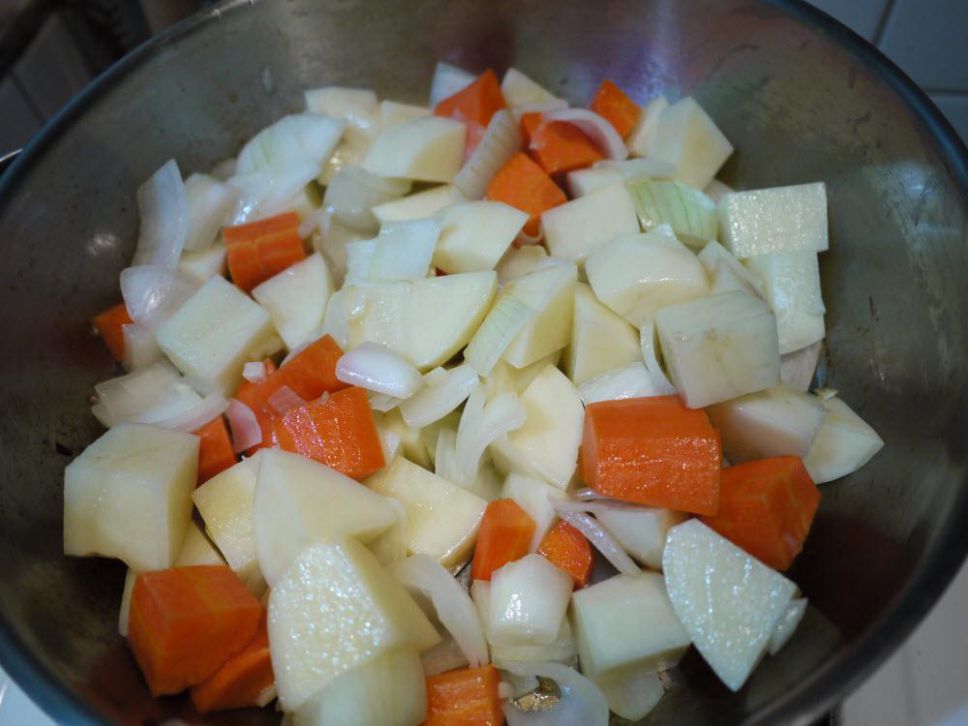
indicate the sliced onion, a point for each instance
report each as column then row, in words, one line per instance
column 443, row 391
column 595, row 127
column 454, row 607
column 500, row 142
column 690, row 213
column 481, row 424
column 603, row 541
column 140, row 347
column 443, row 657
column 244, row 426
column 193, row 418
column 651, row 360
column 210, row 202
column 264, row 193
column 632, row 381
column 163, row 205
column 636, row 169
column 353, row 193
column 254, row 371
column 447, row 81
column 445, row 457
column 581, row 703
column 505, row 691
column 588, row 494
column 152, row 293
column 377, row 368
column 284, row 398
column 149, row 395
column 552, row 104
column 382, row 402
column 293, row 139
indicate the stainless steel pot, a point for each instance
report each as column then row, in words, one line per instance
column 802, row 99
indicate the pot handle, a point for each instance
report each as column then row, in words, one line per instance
column 7, row 159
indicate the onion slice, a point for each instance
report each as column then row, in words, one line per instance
column 254, row 371
column 244, row 426
column 284, row 398
column 481, row 424
column 500, row 142
column 443, row 391
column 448, row 80
column 454, row 607
column 581, row 703
column 595, row 127
column 163, row 204
column 152, row 293
column 194, row 417
column 600, row 537
column 377, row 368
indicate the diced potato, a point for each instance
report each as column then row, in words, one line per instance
column 631, row 381
column 429, row 149
column 583, row 182
column 549, row 330
column 637, row 275
column 402, row 251
column 600, row 340
column 577, row 228
column 299, row 501
column 399, row 439
column 474, row 235
column 225, row 503
column 779, row 421
column 791, row 286
column 641, row 531
column 418, row 206
column 394, row 114
column 124, row 611
column 632, row 692
column 442, row 518
column 426, row 321
column 547, row 445
column 391, row 546
column 389, row 690
column 505, row 378
column 535, row 497
column 296, row 299
column 726, row 273
column 199, row 265
column 729, row 602
column 780, row 219
column 719, row 347
column 129, row 496
column 197, row 549
column 641, row 135
column 626, row 621
column 529, row 598
column 519, row 90
column 843, row 445
column 519, row 261
column 214, row 333
column 333, row 610
column 356, row 106
column 140, row 347
column 687, row 138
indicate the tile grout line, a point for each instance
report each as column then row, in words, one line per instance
column 882, row 23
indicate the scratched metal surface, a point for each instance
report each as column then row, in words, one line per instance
column 799, row 102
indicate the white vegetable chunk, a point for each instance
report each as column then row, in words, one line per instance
column 298, row 138
column 333, row 610
column 402, row 251
column 583, row 182
column 637, row 275
column 442, row 519
column 529, row 598
column 633, row 170
column 124, row 610
column 214, row 333
column 447, row 80
column 140, row 347
column 798, row 368
column 356, row 106
column 210, row 204
column 689, row 212
column 641, row 135
column 780, row 219
column 482, row 422
column 641, row 531
column 729, row 602
column 788, row 624
column 778, row 421
column 791, row 285
column 716, row 190
column 600, row 340
column 299, row 501
column 418, row 206
column 393, row 113
column 155, row 394
column 686, row 137
column 443, row 391
column 519, row 261
column 726, row 273
column 377, row 368
column 400, row 439
column 843, row 445
column 546, row 446
column 631, row 381
column 549, row 330
column 389, row 690
column 577, row 228
column 624, row 621
column 296, row 299
column 429, row 149
column 519, row 90
column 632, row 692
column 197, row 549
column 475, row 235
column 353, row 193
column 537, row 498
column 200, row 265
column 505, row 378
column 501, row 141
column 129, row 496
column 719, row 347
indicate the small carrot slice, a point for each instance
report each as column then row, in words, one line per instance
column 767, row 507
column 241, row 681
column 652, row 451
column 523, row 184
column 215, row 453
column 110, row 326
column 337, row 430
column 614, row 105
column 566, row 548
column 464, row 697
column 558, row 147
column 252, row 262
column 261, row 228
column 476, row 103
column 504, row 536
column 185, row 622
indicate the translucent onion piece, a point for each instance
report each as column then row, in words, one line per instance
column 650, row 357
column 443, row 657
column 581, row 703
column 595, row 127
column 244, row 426
column 636, row 169
column 553, row 104
column 632, row 381
column 603, row 541
column 377, row 368
column 690, row 213
column 481, row 424
column 382, row 402
column 634, row 692
column 284, row 398
column 354, row 191
column 447, row 81
column 163, row 205
column 152, row 293
column 210, row 203
column 149, row 395
column 500, row 142
column 254, row 371
column 140, row 347
column 297, row 138
column 268, row 192
column 445, row 456
column 443, row 391
column 453, row 605
column 193, row 418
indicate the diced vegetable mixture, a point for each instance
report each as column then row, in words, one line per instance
column 447, row 414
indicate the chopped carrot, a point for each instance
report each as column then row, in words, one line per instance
column 614, row 105
column 525, row 185
column 476, row 103
column 465, row 697
column 215, row 453
column 266, row 227
column 185, row 622
column 254, row 261
column 558, row 147
column 110, row 326
column 566, row 548
column 766, row 507
column 242, row 681
column 504, row 536
column 337, row 430
column 652, row 451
